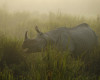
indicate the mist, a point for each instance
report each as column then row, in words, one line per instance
column 74, row 7
column 50, row 39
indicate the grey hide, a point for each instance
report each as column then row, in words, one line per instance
column 78, row 39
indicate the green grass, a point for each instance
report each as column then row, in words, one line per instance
column 50, row 64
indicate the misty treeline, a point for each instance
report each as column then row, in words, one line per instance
column 50, row 64
column 17, row 23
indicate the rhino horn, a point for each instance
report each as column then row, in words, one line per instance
column 38, row 31
column 26, row 37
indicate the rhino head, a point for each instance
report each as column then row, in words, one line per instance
column 36, row 44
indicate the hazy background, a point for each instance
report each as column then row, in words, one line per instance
column 74, row 7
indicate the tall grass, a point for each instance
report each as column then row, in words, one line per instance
column 50, row 64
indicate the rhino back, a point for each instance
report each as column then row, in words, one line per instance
column 55, row 34
column 60, row 37
column 84, row 37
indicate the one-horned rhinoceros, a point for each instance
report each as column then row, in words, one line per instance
column 78, row 39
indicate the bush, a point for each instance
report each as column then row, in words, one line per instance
column 11, row 56
column 92, row 62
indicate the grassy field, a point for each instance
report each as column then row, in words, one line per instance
column 50, row 64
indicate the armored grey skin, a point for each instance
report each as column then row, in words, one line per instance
column 78, row 39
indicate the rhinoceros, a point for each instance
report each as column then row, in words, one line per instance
column 77, row 39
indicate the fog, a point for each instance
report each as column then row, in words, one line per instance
column 74, row 7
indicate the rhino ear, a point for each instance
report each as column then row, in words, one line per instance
column 38, row 31
column 26, row 37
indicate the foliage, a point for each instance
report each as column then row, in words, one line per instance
column 50, row 64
